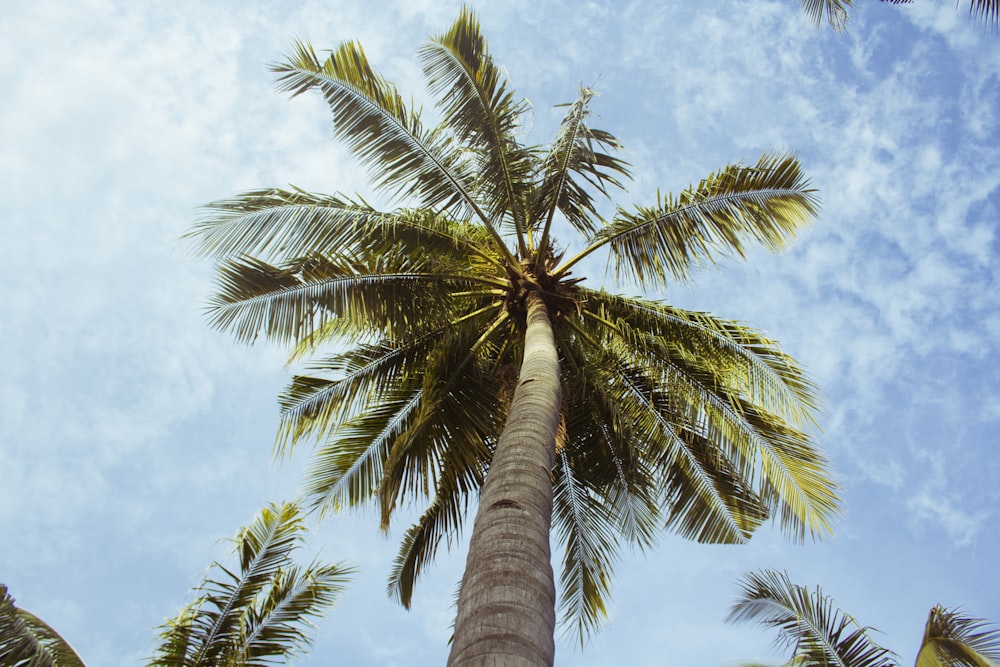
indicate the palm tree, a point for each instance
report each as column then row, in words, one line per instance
column 464, row 345
column 987, row 11
column 822, row 635
column 258, row 616
column 28, row 641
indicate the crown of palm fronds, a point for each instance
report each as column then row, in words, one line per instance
column 671, row 418
column 259, row 615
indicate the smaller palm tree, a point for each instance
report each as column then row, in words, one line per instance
column 258, row 616
column 28, row 641
column 822, row 635
column 986, row 11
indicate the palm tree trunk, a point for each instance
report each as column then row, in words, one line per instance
column 506, row 607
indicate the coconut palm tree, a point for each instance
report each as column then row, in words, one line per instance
column 470, row 364
column 822, row 635
column 986, row 11
column 28, row 641
column 259, row 615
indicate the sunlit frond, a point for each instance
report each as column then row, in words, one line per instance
column 952, row 639
column 391, row 293
column 767, row 203
column 481, row 110
column 808, row 622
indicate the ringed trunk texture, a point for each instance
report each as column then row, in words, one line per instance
column 506, row 607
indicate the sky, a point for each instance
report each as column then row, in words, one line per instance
column 133, row 437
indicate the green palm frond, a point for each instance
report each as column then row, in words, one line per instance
column 587, row 528
column 576, row 150
column 390, row 293
column 767, row 203
column 808, row 622
column 952, row 639
column 725, row 387
column 372, row 119
column 28, row 641
column 480, row 109
column 258, row 616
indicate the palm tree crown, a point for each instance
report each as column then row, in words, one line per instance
column 662, row 416
column 258, row 616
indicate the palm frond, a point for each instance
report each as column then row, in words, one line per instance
column 461, row 475
column 577, row 150
column 766, row 203
column 587, row 529
column 810, row 623
column 695, row 399
column 952, row 639
column 480, row 109
column 28, row 641
column 391, row 294
column 372, row 119
column 834, row 10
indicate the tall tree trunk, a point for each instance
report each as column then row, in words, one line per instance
column 506, row 607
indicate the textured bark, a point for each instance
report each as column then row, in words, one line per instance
column 506, row 608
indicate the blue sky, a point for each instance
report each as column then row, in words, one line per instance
column 133, row 437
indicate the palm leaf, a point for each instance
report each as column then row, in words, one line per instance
column 481, row 110
column 28, row 641
column 372, row 119
column 952, row 639
column 766, row 203
column 819, row 633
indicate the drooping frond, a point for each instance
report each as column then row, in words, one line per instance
column 766, row 203
column 587, row 529
column 481, row 110
column 727, row 402
column 747, row 359
column 952, row 639
column 577, row 150
column 460, row 477
column 371, row 118
column 258, row 616
column 28, row 641
column 809, row 623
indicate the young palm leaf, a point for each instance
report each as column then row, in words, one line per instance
column 259, row 615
